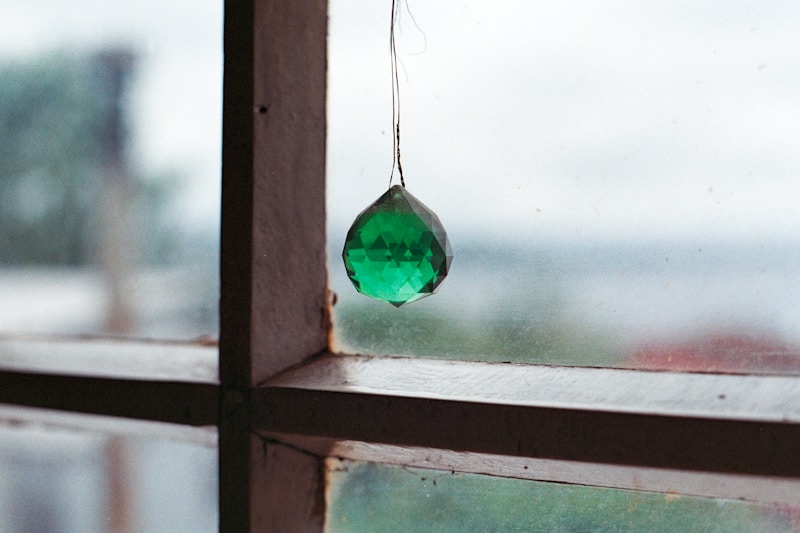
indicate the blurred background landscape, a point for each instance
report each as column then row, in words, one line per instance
column 618, row 180
column 109, row 211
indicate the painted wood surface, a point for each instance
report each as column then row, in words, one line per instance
column 707, row 396
column 691, row 443
column 706, row 484
column 59, row 420
column 612, row 417
column 194, row 362
column 236, row 259
column 274, row 310
column 294, row 486
column 290, row 312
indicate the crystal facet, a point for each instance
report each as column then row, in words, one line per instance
column 397, row 249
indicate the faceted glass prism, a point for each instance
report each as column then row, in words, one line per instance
column 397, row 249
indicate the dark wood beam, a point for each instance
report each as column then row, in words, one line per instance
column 194, row 404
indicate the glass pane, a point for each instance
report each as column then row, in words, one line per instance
column 87, row 481
column 617, row 179
column 369, row 497
column 110, row 121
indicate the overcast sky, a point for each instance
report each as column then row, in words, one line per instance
column 555, row 120
column 627, row 119
column 175, row 100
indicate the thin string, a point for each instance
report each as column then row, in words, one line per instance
column 396, row 164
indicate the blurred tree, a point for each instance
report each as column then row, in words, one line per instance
column 49, row 131
column 56, row 127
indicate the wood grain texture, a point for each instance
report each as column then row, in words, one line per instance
column 757, row 398
column 763, row 489
column 701, row 444
column 46, row 420
column 653, row 420
column 274, row 307
column 293, row 483
column 290, row 296
column 111, row 357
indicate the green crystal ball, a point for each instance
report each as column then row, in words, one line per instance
column 397, row 249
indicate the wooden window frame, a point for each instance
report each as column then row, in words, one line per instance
column 285, row 407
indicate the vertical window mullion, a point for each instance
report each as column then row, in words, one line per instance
column 274, row 303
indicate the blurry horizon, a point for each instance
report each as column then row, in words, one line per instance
column 608, row 134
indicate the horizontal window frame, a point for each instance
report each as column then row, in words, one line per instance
column 43, row 420
column 342, row 398
column 488, row 418
column 176, row 402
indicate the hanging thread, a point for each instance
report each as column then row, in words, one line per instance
column 396, row 163
column 397, row 250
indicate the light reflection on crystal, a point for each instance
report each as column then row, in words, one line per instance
column 397, row 249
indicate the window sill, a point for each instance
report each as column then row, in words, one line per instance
column 160, row 382
column 700, row 434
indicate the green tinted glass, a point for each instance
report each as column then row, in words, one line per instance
column 369, row 497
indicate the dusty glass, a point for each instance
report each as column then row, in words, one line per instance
column 617, row 179
column 369, row 497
